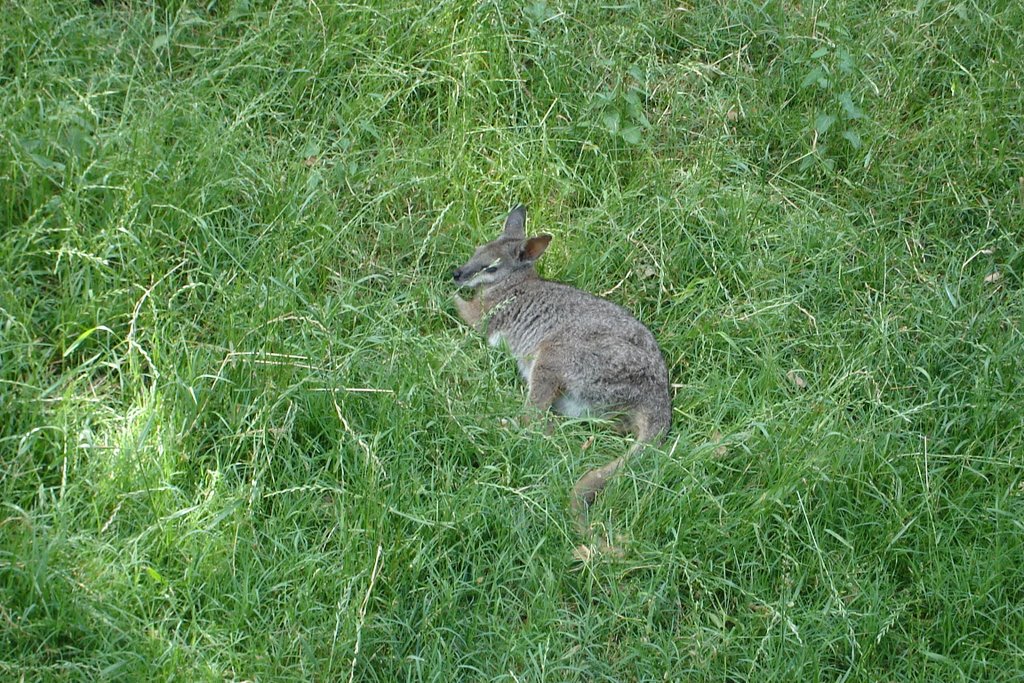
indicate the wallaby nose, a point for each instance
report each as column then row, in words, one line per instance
column 457, row 273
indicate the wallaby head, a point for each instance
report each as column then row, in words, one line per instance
column 510, row 255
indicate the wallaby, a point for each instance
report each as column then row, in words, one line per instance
column 579, row 354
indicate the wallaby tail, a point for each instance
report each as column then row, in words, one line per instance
column 648, row 428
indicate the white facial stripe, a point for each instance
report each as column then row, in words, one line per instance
column 478, row 279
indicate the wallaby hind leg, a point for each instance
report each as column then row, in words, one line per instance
column 545, row 386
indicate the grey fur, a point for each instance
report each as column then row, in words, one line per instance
column 578, row 353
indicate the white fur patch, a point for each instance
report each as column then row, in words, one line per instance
column 570, row 406
column 480, row 278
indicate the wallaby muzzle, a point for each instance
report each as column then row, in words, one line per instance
column 463, row 275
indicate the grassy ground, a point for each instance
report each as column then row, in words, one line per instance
column 243, row 436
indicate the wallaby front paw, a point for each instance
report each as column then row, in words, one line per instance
column 548, row 428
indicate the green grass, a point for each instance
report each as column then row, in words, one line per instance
column 243, row 435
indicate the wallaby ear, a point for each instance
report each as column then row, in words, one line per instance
column 515, row 224
column 534, row 247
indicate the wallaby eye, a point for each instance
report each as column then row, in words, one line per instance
column 490, row 269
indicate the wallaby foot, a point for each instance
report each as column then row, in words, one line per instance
column 585, row 553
